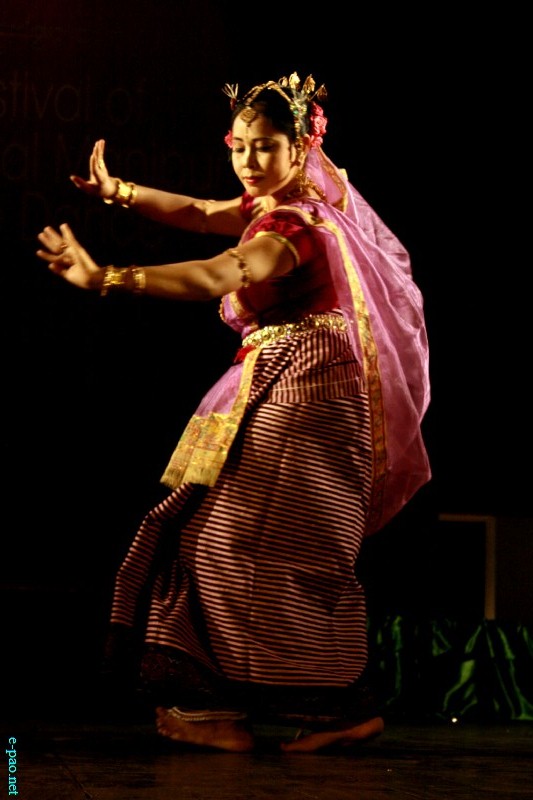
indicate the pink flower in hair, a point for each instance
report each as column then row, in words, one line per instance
column 228, row 138
column 318, row 125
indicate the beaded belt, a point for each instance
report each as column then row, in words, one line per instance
column 273, row 333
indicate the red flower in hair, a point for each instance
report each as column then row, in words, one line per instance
column 318, row 125
column 228, row 138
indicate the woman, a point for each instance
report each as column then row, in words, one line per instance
column 309, row 442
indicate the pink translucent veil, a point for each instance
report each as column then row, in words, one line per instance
column 384, row 308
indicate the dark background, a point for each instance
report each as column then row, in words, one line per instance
column 424, row 113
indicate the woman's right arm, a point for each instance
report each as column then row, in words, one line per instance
column 177, row 210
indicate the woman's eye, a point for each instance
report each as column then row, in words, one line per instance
column 263, row 148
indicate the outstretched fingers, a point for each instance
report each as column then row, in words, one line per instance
column 99, row 183
column 52, row 240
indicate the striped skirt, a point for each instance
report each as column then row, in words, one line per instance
column 255, row 578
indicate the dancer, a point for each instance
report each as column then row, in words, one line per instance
column 243, row 580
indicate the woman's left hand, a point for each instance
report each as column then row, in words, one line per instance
column 66, row 257
column 100, row 183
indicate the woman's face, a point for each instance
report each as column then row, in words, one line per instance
column 263, row 158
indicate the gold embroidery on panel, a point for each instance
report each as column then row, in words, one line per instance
column 204, row 445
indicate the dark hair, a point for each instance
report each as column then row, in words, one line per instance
column 275, row 108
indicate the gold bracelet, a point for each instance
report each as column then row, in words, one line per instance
column 139, row 280
column 125, row 194
column 246, row 277
column 114, row 278
column 133, row 196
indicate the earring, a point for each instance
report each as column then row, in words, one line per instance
column 302, row 182
column 305, row 186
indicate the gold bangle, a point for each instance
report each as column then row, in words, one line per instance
column 139, row 280
column 246, row 277
column 114, row 278
column 125, row 194
column 132, row 195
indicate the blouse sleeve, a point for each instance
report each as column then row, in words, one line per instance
column 289, row 229
column 247, row 207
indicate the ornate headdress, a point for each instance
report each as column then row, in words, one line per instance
column 302, row 96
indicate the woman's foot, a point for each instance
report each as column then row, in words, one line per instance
column 206, row 729
column 349, row 736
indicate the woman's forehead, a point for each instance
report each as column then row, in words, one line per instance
column 260, row 127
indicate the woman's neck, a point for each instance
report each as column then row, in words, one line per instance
column 295, row 190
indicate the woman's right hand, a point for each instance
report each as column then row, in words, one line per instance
column 100, row 183
column 67, row 258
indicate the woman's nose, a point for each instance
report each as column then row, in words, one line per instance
column 250, row 157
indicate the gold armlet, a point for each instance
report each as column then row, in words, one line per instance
column 125, row 194
column 246, row 277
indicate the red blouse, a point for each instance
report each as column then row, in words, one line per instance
column 307, row 289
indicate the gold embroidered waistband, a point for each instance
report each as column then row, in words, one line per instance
column 273, row 333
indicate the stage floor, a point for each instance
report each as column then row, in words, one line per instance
column 104, row 760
